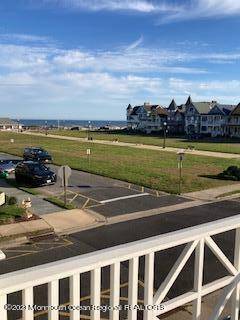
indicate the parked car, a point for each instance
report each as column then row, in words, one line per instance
column 36, row 154
column 8, row 165
column 34, row 173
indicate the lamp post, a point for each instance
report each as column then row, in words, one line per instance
column 164, row 134
column 46, row 128
column 88, row 131
column 180, row 154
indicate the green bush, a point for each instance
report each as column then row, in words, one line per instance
column 231, row 173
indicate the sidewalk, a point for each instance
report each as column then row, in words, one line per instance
column 24, row 229
column 213, row 193
column 66, row 222
column 143, row 146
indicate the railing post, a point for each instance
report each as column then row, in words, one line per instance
column 95, row 293
column 198, row 279
column 133, row 288
column 53, row 299
column 3, row 302
column 114, row 290
column 148, row 285
column 27, row 301
column 74, row 296
column 236, row 293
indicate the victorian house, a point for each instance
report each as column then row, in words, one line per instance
column 146, row 118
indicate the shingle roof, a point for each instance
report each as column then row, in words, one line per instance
column 155, row 109
column 204, row 107
column 236, row 111
column 173, row 105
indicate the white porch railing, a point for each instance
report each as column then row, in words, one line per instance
column 195, row 239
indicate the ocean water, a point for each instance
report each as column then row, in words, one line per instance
column 71, row 123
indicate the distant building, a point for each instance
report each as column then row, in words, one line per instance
column 146, row 118
column 176, row 118
column 8, row 124
column 234, row 122
column 208, row 118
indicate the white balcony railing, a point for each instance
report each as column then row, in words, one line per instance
column 195, row 240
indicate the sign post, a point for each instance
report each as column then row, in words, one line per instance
column 64, row 173
column 180, row 154
column 88, row 155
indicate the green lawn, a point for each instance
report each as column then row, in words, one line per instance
column 9, row 212
column 149, row 168
column 218, row 145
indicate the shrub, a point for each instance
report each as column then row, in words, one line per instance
column 11, row 201
column 231, row 173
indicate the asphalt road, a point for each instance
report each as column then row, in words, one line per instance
column 111, row 235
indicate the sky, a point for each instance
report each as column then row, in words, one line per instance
column 88, row 59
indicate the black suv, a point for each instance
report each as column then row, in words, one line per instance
column 34, row 173
column 36, row 154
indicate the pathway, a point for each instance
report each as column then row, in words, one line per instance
column 143, row 146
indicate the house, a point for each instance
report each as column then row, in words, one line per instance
column 234, row 122
column 215, row 123
column 176, row 118
column 8, row 124
column 146, row 118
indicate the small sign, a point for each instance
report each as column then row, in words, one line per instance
column 64, row 170
column 88, row 152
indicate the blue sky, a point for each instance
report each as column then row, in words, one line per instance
column 87, row 59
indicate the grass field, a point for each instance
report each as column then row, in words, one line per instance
column 217, row 145
column 154, row 169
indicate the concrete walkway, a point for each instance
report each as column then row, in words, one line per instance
column 66, row 222
column 24, row 228
column 142, row 146
column 39, row 206
column 214, row 193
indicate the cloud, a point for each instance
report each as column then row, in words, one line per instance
column 42, row 79
column 135, row 44
column 19, row 37
column 141, row 6
column 204, row 9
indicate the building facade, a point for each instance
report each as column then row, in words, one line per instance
column 146, row 118
column 207, row 118
column 11, row 125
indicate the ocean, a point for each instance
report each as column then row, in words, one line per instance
column 71, row 123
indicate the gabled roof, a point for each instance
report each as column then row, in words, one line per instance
column 189, row 101
column 203, row 107
column 154, row 109
column 129, row 107
column 236, row 111
column 172, row 106
column 226, row 109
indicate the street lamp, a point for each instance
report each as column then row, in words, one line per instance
column 180, row 154
column 88, row 131
column 46, row 128
column 165, row 133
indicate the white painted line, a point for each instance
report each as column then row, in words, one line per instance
column 2, row 255
column 126, row 197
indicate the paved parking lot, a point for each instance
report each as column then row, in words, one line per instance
column 105, row 196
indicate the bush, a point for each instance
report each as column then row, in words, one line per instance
column 11, row 200
column 231, row 173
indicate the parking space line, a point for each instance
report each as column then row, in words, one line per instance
column 125, row 197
